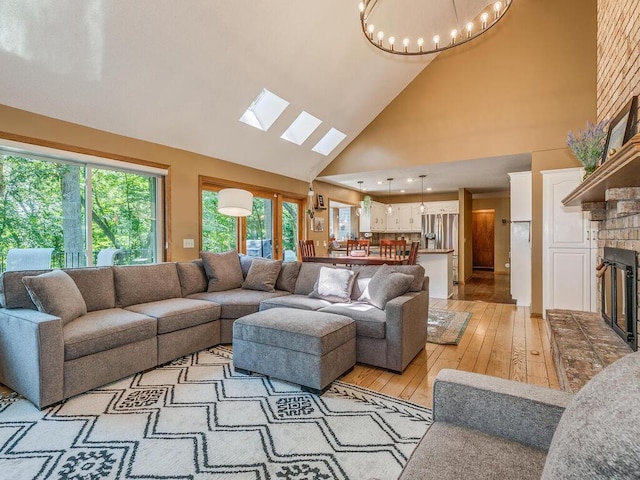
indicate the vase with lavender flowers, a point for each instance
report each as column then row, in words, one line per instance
column 588, row 144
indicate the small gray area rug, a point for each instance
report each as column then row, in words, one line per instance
column 446, row 327
column 195, row 418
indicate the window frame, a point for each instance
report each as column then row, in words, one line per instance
column 50, row 152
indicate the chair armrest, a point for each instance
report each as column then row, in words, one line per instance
column 32, row 354
column 406, row 329
column 525, row 413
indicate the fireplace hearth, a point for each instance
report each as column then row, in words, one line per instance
column 619, row 293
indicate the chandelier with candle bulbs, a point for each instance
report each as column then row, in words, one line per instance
column 459, row 32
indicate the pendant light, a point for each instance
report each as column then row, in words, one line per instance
column 359, row 209
column 389, row 207
column 235, row 202
column 422, row 208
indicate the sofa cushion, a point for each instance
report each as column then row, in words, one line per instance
column 262, row 275
column 385, row 286
column 105, row 329
column 193, row 278
column 13, row 293
column 223, row 270
column 96, row 286
column 302, row 302
column 307, row 278
column 237, row 302
column 146, row 283
column 288, row 276
column 245, row 263
column 370, row 320
column 178, row 313
column 57, row 294
column 365, row 273
column 334, row 284
column 597, row 436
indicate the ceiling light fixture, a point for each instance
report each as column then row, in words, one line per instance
column 389, row 207
column 459, row 34
column 359, row 209
column 422, row 208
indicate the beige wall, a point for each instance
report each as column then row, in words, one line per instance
column 518, row 89
column 465, row 241
column 502, row 234
column 184, row 168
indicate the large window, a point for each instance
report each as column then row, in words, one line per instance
column 271, row 231
column 76, row 214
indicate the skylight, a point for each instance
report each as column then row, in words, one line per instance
column 301, row 128
column 264, row 110
column 330, row 141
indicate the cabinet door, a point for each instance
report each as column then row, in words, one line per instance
column 564, row 227
column 404, row 217
column 365, row 219
column 416, row 218
column 568, row 281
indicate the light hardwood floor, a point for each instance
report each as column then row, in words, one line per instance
column 500, row 340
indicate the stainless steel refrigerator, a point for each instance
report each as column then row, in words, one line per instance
column 440, row 230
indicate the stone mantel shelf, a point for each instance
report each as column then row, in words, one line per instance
column 620, row 170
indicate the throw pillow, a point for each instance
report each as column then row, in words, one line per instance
column 223, row 270
column 384, row 286
column 288, row 276
column 334, row 284
column 245, row 263
column 262, row 275
column 57, row 294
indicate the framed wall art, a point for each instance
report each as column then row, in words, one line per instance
column 621, row 129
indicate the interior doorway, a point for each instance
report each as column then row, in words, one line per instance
column 483, row 239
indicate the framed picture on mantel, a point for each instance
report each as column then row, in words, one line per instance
column 621, row 129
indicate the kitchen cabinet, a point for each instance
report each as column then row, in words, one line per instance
column 406, row 216
column 373, row 220
column 569, row 246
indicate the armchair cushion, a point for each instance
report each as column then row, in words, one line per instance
column 57, row 294
column 597, row 436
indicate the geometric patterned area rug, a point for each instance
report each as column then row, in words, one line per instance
column 446, row 327
column 195, row 418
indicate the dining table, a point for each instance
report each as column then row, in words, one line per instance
column 358, row 260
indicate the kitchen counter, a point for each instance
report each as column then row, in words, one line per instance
column 438, row 266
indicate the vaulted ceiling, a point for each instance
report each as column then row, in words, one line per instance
column 182, row 73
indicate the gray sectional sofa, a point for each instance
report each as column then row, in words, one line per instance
column 136, row 317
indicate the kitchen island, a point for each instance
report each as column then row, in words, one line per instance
column 438, row 266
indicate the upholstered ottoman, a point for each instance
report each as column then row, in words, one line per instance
column 299, row 346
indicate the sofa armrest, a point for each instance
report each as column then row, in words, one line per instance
column 525, row 413
column 32, row 354
column 406, row 329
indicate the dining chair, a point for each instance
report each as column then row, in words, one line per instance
column 307, row 248
column 393, row 248
column 413, row 253
column 358, row 245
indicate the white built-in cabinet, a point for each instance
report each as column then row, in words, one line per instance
column 520, row 238
column 406, row 216
column 569, row 243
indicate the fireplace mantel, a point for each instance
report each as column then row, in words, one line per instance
column 620, row 170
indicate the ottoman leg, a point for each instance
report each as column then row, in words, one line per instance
column 314, row 391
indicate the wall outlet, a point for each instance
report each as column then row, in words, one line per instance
column 188, row 243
